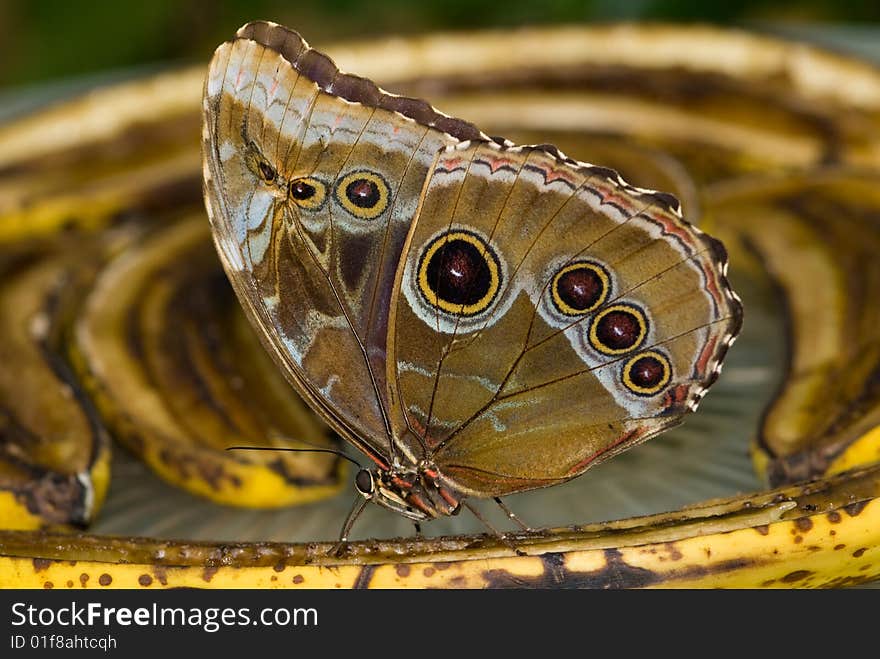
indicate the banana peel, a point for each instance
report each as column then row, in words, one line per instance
column 179, row 376
column 89, row 163
column 88, row 178
column 816, row 236
column 822, row 534
column 55, row 453
column 716, row 119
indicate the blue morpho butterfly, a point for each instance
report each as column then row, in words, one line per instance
column 478, row 318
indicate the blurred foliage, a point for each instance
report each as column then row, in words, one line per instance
column 46, row 39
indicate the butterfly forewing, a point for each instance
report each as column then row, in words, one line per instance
column 311, row 196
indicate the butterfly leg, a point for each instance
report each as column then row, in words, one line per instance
column 503, row 538
column 510, row 514
column 418, row 529
column 356, row 510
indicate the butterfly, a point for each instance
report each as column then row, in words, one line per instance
column 478, row 318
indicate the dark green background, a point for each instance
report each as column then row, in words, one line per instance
column 49, row 39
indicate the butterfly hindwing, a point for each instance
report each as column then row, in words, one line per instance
column 548, row 317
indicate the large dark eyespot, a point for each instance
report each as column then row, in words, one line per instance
column 618, row 329
column 364, row 482
column 267, row 172
column 363, row 194
column 579, row 288
column 459, row 273
column 647, row 373
column 307, row 192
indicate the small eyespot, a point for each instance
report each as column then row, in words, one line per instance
column 647, row 373
column 308, row 193
column 301, row 190
column 267, row 172
column 363, row 194
column 580, row 288
column 459, row 273
column 618, row 329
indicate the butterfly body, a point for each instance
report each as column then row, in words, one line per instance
column 417, row 494
column 478, row 318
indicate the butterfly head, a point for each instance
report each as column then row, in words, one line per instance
column 413, row 495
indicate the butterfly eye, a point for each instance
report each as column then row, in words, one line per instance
column 364, row 483
column 363, row 194
column 267, row 172
column 579, row 288
column 618, row 329
column 308, row 193
column 647, row 373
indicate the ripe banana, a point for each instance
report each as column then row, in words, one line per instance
column 54, row 454
column 107, row 155
column 816, row 236
column 820, row 535
column 178, row 375
column 103, row 171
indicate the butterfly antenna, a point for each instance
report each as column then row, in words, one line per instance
column 297, row 450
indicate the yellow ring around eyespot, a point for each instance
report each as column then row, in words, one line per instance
column 635, row 311
column 364, row 213
column 569, row 310
column 647, row 391
column 316, row 200
column 491, row 263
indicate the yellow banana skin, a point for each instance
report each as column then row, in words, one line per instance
column 54, row 453
column 88, row 179
column 144, row 351
column 825, row 534
column 815, row 236
column 82, row 164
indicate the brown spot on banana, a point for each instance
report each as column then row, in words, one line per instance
column 797, row 575
column 41, row 564
column 856, row 508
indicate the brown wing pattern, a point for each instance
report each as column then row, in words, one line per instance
column 549, row 316
column 312, row 178
column 537, row 316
